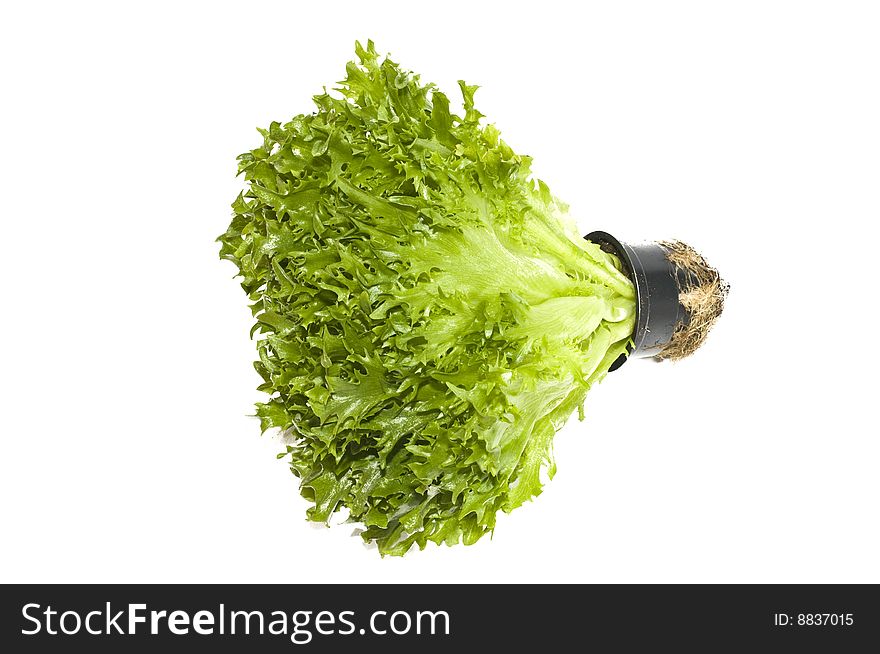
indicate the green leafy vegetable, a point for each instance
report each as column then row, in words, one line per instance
column 428, row 316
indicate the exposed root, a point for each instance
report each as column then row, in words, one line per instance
column 701, row 293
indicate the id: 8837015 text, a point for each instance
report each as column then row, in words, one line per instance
column 813, row 619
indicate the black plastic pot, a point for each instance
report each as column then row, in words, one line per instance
column 657, row 282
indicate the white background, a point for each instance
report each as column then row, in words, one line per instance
column 750, row 129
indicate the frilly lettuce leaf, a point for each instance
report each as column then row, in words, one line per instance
column 427, row 314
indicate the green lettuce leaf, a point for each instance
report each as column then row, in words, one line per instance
column 427, row 314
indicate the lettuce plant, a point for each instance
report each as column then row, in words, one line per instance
column 427, row 314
